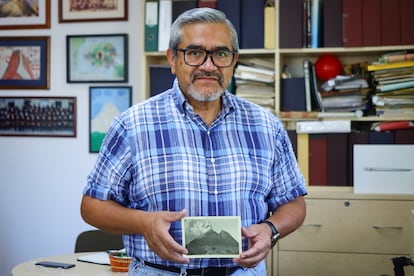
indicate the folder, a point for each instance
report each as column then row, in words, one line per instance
column 165, row 22
column 293, row 94
column 151, row 26
column 390, row 22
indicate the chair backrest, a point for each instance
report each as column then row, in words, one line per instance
column 97, row 240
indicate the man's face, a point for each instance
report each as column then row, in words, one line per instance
column 205, row 82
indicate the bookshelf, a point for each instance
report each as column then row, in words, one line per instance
column 324, row 201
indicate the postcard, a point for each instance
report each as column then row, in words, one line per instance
column 212, row 236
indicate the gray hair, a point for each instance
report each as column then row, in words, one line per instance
column 204, row 15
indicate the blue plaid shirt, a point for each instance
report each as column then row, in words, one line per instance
column 159, row 155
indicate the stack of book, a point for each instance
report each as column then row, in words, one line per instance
column 346, row 94
column 254, row 81
column 394, row 84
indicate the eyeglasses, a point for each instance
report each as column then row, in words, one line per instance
column 197, row 57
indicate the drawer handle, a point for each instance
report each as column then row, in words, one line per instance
column 312, row 225
column 377, row 226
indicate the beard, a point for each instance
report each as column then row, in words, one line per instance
column 203, row 97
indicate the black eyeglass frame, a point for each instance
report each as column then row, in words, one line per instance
column 209, row 53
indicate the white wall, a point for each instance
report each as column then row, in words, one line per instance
column 41, row 179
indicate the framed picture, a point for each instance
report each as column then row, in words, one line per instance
column 105, row 104
column 92, row 10
column 24, row 62
column 212, row 236
column 38, row 116
column 97, row 58
column 29, row 14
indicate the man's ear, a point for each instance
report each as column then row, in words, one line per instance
column 171, row 60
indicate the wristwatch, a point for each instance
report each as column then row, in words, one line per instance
column 275, row 234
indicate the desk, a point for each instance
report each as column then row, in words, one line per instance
column 29, row 268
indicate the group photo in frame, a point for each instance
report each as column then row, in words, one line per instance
column 92, row 10
column 97, row 58
column 38, row 116
column 24, row 62
column 24, row 14
column 105, row 104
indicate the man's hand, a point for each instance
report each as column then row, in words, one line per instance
column 157, row 235
column 259, row 245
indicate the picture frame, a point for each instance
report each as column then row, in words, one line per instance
column 212, row 236
column 99, row 58
column 105, row 103
column 34, row 16
column 89, row 11
column 38, row 116
column 24, row 62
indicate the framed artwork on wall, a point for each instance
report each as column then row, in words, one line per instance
column 30, row 14
column 92, row 10
column 97, row 58
column 38, row 116
column 24, row 62
column 105, row 104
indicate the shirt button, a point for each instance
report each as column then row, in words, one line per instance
column 216, row 192
column 212, row 160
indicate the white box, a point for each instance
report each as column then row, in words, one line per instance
column 384, row 169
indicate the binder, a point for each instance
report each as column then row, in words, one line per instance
column 290, row 23
column 332, row 23
column 318, row 160
column 232, row 9
column 207, row 4
column 179, row 6
column 161, row 78
column 337, row 154
column 371, row 23
column 407, row 22
column 352, row 23
column 252, row 24
column 390, row 22
column 151, row 26
column 164, row 26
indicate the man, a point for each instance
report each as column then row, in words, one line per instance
column 196, row 150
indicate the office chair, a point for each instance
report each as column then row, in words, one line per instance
column 97, row 240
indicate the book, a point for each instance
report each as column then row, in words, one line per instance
column 404, row 136
column 232, row 9
column 396, row 57
column 352, row 23
column 332, row 23
column 292, row 95
column 393, row 65
column 316, row 99
column 307, row 24
column 151, row 26
column 337, row 159
column 394, row 86
column 179, row 6
column 390, row 22
column 318, row 160
column 254, row 73
column 164, row 24
column 371, row 30
column 160, row 77
column 252, row 24
column 307, row 64
column 386, row 137
column 406, row 22
column 323, row 126
column 207, row 4
column 316, row 23
column 290, row 23
column 269, row 27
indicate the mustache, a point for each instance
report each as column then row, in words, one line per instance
column 208, row 74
